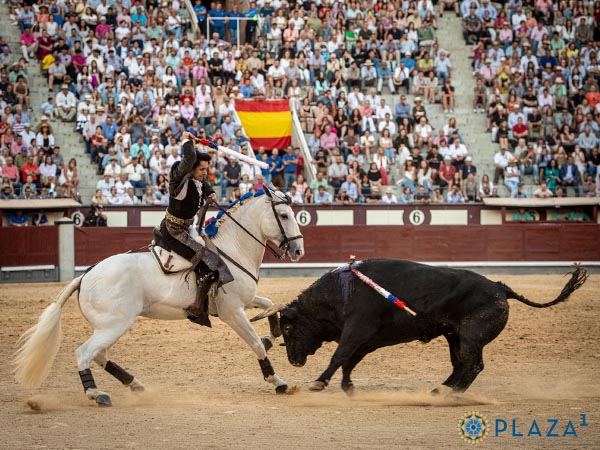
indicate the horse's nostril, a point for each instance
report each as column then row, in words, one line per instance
column 298, row 252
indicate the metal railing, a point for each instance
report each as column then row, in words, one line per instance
column 299, row 139
column 236, row 19
column 193, row 18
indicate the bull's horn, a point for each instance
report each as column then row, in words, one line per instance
column 268, row 312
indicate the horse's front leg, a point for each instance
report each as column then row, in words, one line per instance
column 238, row 321
column 275, row 331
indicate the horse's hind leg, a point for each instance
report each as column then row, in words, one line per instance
column 119, row 373
column 96, row 345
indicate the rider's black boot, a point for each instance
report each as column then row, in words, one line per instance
column 198, row 311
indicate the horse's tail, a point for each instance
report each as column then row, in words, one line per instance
column 39, row 345
column 578, row 277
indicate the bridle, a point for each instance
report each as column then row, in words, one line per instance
column 285, row 244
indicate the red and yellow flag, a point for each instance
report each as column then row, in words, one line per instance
column 266, row 122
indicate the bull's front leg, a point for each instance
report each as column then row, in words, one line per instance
column 344, row 356
column 239, row 323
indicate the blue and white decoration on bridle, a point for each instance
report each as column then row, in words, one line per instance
column 212, row 227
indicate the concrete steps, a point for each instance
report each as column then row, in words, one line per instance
column 65, row 136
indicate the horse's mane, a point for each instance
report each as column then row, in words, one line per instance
column 212, row 227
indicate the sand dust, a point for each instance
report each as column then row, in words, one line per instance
column 204, row 388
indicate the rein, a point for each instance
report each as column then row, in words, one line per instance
column 286, row 240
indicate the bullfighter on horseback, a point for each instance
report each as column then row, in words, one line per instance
column 188, row 192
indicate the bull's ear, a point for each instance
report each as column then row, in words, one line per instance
column 268, row 312
column 267, row 190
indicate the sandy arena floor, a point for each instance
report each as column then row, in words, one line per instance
column 205, row 388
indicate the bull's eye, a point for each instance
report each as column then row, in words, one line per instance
column 285, row 216
column 287, row 329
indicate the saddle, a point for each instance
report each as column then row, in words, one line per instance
column 169, row 262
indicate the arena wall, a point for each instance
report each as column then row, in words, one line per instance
column 443, row 234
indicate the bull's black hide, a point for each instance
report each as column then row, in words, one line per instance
column 466, row 308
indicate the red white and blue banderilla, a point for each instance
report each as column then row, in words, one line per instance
column 230, row 152
column 381, row 291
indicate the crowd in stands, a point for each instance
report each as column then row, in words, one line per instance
column 537, row 69
column 131, row 79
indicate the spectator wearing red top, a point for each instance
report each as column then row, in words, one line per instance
column 520, row 130
column 447, row 171
column 593, row 96
column 30, row 168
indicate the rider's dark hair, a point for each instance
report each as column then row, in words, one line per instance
column 201, row 157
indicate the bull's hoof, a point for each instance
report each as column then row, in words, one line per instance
column 317, row 386
column 267, row 343
column 104, row 400
column 281, row 389
column 348, row 388
column 442, row 390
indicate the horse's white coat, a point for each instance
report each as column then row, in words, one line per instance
column 121, row 288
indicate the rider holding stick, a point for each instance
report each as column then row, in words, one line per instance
column 188, row 192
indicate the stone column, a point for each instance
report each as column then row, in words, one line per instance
column 66, row 249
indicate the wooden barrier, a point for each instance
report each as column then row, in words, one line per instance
column 28, row 246
column 507, row 241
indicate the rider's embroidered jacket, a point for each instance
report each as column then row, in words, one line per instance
column 186, row 196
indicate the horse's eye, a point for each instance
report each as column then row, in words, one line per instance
column 285, row 217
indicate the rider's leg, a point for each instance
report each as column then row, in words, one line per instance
column 198, row 311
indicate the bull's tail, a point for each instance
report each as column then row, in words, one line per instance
column 39, row 345
column 578, row 277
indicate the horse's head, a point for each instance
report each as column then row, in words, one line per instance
column 279, row 225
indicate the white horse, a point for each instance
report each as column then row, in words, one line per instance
column 117, row 290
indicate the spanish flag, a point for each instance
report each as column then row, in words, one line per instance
column 266, row 122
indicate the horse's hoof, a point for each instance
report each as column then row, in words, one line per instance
column 103, row 400
column 281, row 389
column 136, row 386
column 316, row 386
column 267, row 343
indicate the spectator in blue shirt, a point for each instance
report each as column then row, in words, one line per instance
column 200, row 11
column 18, row 219
column 247, row 89
column 233, row 25
column 267, row 12
column 217, row 20
column 252, row 15
column 109, row 129
column 275, row 167
column 290, row 163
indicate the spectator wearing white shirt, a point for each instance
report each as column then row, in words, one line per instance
column 105, row 184
column 136, row 174
column 322, row 197
column 389, row 198
column 66, row 104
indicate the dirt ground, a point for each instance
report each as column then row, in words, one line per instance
column 205, row 389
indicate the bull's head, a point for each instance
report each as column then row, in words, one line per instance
column 302, row 334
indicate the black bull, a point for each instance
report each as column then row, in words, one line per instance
column 466, row 308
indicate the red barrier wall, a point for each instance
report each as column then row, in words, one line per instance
column 28, row 246
column 506, row 242
column 92, row 245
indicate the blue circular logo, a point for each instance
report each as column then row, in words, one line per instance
column 473, row 427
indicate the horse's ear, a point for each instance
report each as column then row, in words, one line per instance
column 267, row 190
